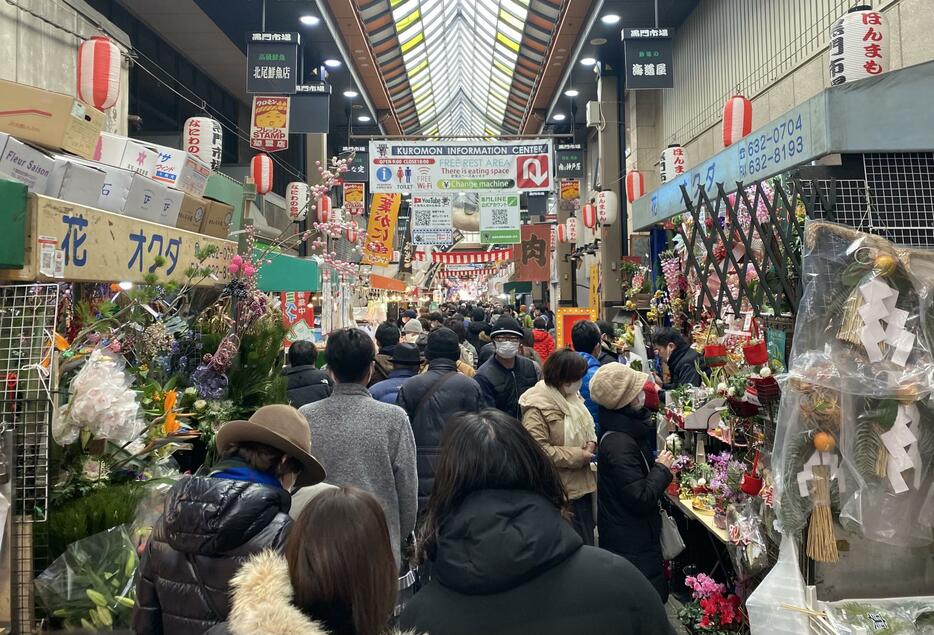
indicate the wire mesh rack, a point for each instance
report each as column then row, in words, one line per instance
column 28, row 315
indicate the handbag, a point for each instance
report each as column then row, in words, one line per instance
column 670, row 537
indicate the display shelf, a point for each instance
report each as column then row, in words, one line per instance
column 704, row 519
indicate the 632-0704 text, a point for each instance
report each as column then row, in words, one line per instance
column 785, row 143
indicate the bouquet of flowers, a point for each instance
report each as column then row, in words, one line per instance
column 713, row 610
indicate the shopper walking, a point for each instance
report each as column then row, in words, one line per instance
column 478, row 325
column 608, row 353
column 387, row 336
column 362, row 442
column 337, row 576
column 406, row 360
column 544, row 342
column 630, row 481
column 306, row 383
column 585, row 336
column 506, row 376
column 682, row 360
column 468, row 352
column 214, row 522
column 432, row 398
column 504, row 559
column 555, row 415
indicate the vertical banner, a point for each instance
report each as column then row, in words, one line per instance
column 595, row 287
column 533, row 260
column 406, row 255
column 269, row 125
column 384, row 214
column 353, row 199
column 298, row 315
column 500, row 220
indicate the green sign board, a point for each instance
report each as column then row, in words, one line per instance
column 500, row 220
column 287, row 273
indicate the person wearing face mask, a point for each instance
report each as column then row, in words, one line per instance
column 506, row 375
column 682, row 360
column 412, row 332
column 555, row 415
column 631, row 482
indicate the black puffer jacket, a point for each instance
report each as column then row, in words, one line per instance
column 503, row 386
column 210, row 527
column 458, row 393
column 307, row 385
column 507, row 563
column 682, row 365
column 628, row 492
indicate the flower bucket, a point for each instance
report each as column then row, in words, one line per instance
column 756, row 354
column 751, row 483
column 715, row 355
column 767, row 389
column 742, row 408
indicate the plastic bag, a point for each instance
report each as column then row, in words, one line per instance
column 895, row 616
column 783, row 584
column 93, row 584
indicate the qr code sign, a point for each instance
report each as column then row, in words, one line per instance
column 422, row 218
column 500, row 217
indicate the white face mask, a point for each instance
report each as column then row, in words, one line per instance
column 572, row 389
column 507, row 350
column 639, row 401
column 411, row 338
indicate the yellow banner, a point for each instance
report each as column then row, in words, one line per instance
column 595, row 288
column 384, row 213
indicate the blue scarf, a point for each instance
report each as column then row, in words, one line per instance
column 238, row 471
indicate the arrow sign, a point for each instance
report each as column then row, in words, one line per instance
column 532, row 170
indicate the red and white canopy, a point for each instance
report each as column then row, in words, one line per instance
column 466, row 257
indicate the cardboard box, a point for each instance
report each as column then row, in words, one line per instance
column 75, row 181
column 192, row 213
column 217, row 219
column 181, row 170
column 23, row 163
column 48, row 119
column 153, row 201
column 125, row 153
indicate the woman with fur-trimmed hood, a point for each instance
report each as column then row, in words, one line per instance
column 338, row 575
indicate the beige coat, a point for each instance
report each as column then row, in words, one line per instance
column 545, row 422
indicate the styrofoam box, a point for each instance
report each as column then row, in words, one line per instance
column 23, row 163
column 74, row 181
column 181, row 170
column 152, row 201
column 126, row 153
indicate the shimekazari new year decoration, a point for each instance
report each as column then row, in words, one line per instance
column 673, row 163
column 737, row 119
column 607, row 204
column 855, row 441
column 296, row 199
column 261, row 171
column 859, row 45
column 204, row 138
column 99, row 68
column 635, row 185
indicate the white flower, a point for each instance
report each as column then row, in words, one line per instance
column 731, row 392
column 701, row 482
column 765, row 372
column 721, row 387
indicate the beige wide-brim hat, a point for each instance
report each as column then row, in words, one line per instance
column 615, row 385
column 281, row 427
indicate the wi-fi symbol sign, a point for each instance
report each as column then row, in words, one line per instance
column 424, row 170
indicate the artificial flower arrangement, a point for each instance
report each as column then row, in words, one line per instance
column 713, row 610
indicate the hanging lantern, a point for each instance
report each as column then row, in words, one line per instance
column 572, row 229
column 99, row 72
column 859, row 46
column 737, row 119
column 561, row 232
column 607, row 204
column 204, row 138
column 261, row 170
column 589, row 215
column 324, row 209
column 635, row 185
column 296, row 198
column 352, row 232
column 673, row 163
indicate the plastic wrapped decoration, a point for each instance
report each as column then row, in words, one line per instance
column 883, row 615
column 855, row 437
column 783, row 585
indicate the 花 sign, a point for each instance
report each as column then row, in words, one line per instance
column 432, row 222
column 533, row 257
column 269, row 126
column 649, row 58
column 384, row 214
column 272, row 63
column 499, row 219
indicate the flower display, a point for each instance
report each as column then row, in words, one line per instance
column 713, row 610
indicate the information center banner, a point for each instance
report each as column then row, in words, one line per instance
column 425, row 168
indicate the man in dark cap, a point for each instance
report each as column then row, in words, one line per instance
column 406, row 360
column 507, row 375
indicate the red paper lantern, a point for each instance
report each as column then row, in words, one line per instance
column 99, row 72
column 261, row 170
column 589, row 215
column 352, row 232
column 562, row 233
column 324, row 209
column 572, row 229
column 635, row 185
column 737, row 119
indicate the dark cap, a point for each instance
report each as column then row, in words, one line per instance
column 507, row 325
column 443, row 344
column 407, row 355
column 409, row 313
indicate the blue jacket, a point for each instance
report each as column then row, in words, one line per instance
column 593, row 365
column 387, row 390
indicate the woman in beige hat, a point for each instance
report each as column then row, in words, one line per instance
column 631, row 481
column 555, row 415
column 214, row 522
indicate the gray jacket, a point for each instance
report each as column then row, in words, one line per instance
column 367, row 444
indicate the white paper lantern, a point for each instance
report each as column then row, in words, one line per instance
column 99, row 72
column 204, row 138
column 673, row 163
column 589, row 215
column 572, row 229
column 607, row 204
column 261, row 170
column 635, row 185
column 296, row 198
column 323, row 205
column 859, row 46
column 737, row 119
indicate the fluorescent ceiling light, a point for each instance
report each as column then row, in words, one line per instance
column 332, row 63
column 610, row 18
column 350, row 93
column 309, row 20
column 559, row 117
column 571, row 92
column 588, row 61
column 364, row 118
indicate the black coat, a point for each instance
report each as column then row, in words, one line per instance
column 474, row 329
column 307, row 384
column 507, row 563
column 503, row 386
column 459, row 393
column 682, row 365
column 628, row 492
column 607, row 357
column 485, row 352
column 213, row 525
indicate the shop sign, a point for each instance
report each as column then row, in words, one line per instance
column 272, row 63
column 79, row 244
column 269, row 125
column 427, row 168
column 569, row 161
column 500, row 221
column 298, row 315
column 353, row 198
column 533, row 260
column 595, row 287
column 357, row 168
column 432, row 220
column 649, row 58
column 537, row 203
column 384, row 214
column 570, row 189
column 406, row 256
column 310, row 112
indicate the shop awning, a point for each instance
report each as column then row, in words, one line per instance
column 386, row 284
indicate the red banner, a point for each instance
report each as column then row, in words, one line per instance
column 533, row 255
column 298, row 315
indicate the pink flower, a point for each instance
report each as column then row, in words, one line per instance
column 233, row 268
column 115, row 346
column 237, row 260
column 248, row 270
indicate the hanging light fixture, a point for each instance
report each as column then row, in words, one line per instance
column 261, row 170
column 589, row 215
column 204, row 138
column 737, row 119
column 859, row 45
column 99, row 72
column 635, row 185
column 296, row 198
